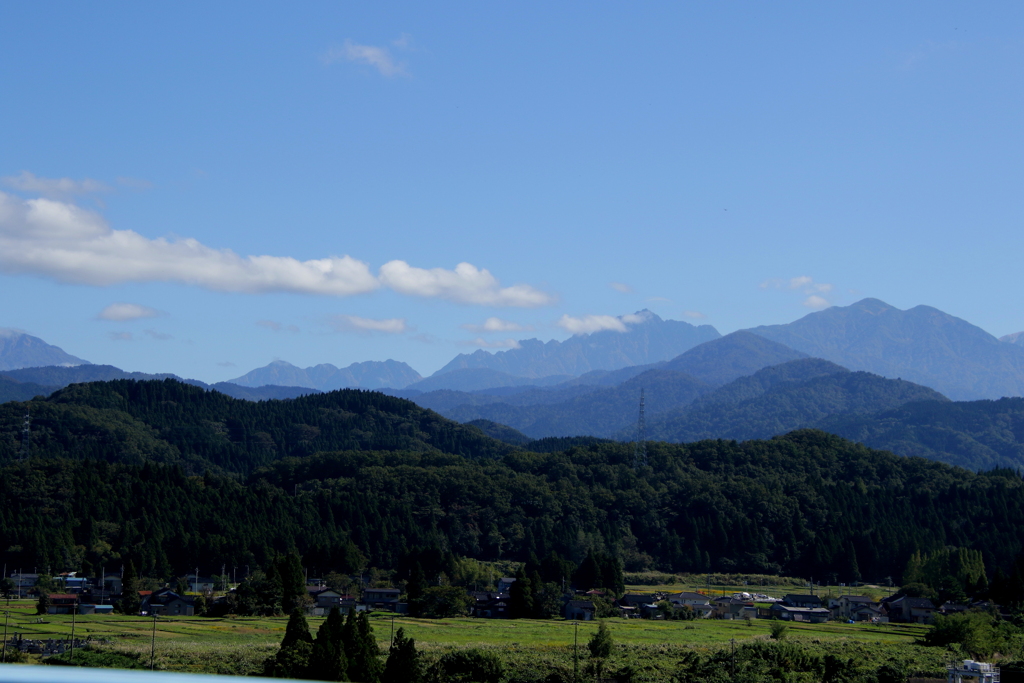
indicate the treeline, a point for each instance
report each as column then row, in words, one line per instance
column 171, row 422
column 805, row 504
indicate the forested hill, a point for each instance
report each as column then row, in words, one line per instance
column 168, row 421
column 805, row 504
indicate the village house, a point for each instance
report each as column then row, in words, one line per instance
column 580, row 610
column 911, row 610
column 813, row 615
column 698, row 602
column 384, row 599
column 853, row 606
column 166, row 603
column 504, row 584
column 490, row 604
column 797, row 600
column 62, row 603
column 733, row 608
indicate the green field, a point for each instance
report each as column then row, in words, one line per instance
column 238, row 645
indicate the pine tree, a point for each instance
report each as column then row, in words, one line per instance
column 327, row 661
column 520, row 596
column 293, row 582
column 368, row 664
column 403, row 664
column 129, row 602
column 293, row 657
column 600, row 644
column 414, row 589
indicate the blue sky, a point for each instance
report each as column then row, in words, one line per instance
column 202, row 189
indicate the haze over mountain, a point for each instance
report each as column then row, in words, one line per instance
column 23, row 384
column 20, row 350
column 782, row 398
column 645, row 338
column 922, row 344
column 326, row 377
column 1015, row 338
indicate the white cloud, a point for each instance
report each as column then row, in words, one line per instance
column 660, row 298
column 493, row 324
column 134, row 183
column 591, row 323
column 695, row 315
column 378, row 57
column 160, row 336
column 467, row 284
column 121, row 336
column 276, row 326
column 70, row 244
column 53, row 187
column 353, row 323
column 501, row 344
column 226, row 364
column 804, row 284
column 620, row 287
column 816, row 302
column 73, row 245
column 125, row 311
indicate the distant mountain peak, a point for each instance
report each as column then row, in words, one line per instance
column 390, row 374
column 1015, row 338
column 646, row 339
column 21, row 350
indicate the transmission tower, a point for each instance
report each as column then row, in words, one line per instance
column 25, row 437
column 640, row 445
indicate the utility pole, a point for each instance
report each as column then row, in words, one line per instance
column 152, row 653
column 7, row 617
column 576, row 651
column 74, row 612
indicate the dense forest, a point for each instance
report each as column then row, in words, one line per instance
column 352, row 479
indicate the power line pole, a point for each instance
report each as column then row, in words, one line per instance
column 640, row 445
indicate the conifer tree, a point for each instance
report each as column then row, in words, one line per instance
column 403, row 664
column 327, row 661
column 129, row 602
column 366, row 662
column 292, row 659
column 520, row 596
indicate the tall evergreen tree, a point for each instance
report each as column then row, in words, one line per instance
column 520, row 596
column 403, row 664
column 327, row 661
column 293, row 582
column 129, row 602
column 292, row 659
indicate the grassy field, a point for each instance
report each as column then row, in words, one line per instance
column 238, row 645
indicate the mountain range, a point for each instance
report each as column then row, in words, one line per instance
column 326, row 377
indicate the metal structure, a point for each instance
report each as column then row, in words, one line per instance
column 970, row 671
column 640, row 445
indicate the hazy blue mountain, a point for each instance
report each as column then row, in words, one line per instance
column 601, row 412
column 922, row 344
column 976, row 435
column 647, row 341
column 1015, row 338
column 326, row 377
column 730, row 357
column 20, row 350
column 13, row 390
column 444, row 400
column 779, row 399
column 61, row 376
column 500, row 432
column 475, row 379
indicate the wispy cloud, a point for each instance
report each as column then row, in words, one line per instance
column 467, row 284
column 125, row 311
column 482, row 343
column 493, row 324
column 694, row 315
column 276, row 326
column 226, row 364
column 621, row 287
column 54, row 187
column 159, row 336
column 353, row 323
column 121, row 336
column 591, row 323
column 379, row 58
column 70, row 244
column 813, row 291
